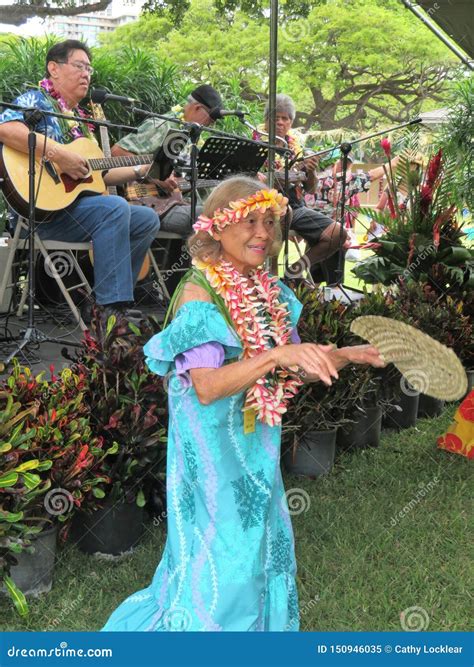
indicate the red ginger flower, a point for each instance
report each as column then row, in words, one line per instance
column 386, row 146
column 433, row 170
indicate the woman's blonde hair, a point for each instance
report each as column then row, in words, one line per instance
column 201, row 244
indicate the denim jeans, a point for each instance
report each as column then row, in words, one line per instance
column 121, row 235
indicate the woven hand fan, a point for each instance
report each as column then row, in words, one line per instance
column 428, row 366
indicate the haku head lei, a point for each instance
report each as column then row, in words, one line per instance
column 263, row 200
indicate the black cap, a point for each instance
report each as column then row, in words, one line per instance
column 208, row 96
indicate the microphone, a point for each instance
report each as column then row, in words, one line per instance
column 217, row 113
column 100, row 95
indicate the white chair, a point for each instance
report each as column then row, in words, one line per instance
column 48, row 249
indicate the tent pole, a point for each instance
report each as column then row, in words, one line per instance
column 272, row 81
column 430, row 24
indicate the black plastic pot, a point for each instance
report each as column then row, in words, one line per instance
column 364, row 432
column 112, row 530
column 429, row 406
column 314, row 455
column 406, row 418
column 34, row 573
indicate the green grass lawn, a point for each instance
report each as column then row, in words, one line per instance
column 359, row 563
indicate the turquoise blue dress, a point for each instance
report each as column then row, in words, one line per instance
column 229, row 562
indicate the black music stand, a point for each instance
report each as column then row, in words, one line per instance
column 220, row 157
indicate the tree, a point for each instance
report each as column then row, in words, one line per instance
column 348, row 64
column 21, row 10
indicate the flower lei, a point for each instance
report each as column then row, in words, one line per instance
column 263, row 200
column 293, row 142
column 72, row 128
column 261, row 322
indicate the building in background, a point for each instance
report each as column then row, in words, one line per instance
column 87, row 27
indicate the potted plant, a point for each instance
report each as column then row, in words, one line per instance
column 395, row 397
column 47, row 454
column 317, row 411
column 129, row 407
column 447, row 319
column 423, row 238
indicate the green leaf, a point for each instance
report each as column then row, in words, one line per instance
column 45, row 465
column 17, row 596
column 31, row 480
column 98, row 493
column 28, row 465
column 141, row 502
column 110, row 324
column 8, row 479
column 11, row 517
column 134, row 328
column 5, row 447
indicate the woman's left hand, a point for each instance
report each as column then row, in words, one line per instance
column 363, row 354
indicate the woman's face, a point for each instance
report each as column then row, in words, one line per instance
column 247, row 243
column 283, row 124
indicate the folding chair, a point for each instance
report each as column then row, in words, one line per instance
column 48, row 249
column 165, row 239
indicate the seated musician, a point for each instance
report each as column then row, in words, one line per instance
column 121, row 234
column 150, row 137
column 320, row 232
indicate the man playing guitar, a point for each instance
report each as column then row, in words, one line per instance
column 176, row 215
column 121, row 234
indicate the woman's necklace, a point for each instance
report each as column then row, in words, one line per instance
column 261, row 322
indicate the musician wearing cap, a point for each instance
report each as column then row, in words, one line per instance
column 121, row 234
column 201, row 107
column 322, row 235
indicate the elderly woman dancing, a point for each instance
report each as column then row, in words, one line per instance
column 232, row 360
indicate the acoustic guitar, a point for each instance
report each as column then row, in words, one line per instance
column 55, row 189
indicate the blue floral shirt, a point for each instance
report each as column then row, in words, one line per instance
column 48, row 125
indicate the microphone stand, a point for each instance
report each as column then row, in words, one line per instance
column 32, row 116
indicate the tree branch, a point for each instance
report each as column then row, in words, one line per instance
column 18, row 13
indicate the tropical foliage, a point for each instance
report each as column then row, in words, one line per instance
column 423, row 238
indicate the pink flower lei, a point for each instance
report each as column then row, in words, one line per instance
column 262, row 200
column 261, row 322
column 74, row 129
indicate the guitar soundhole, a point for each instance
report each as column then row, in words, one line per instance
column 70, row 184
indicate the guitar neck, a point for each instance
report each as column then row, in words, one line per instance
column 101, row 164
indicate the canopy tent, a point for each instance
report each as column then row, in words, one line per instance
column 455, row 18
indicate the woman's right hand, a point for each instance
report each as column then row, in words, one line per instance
column 311, row 361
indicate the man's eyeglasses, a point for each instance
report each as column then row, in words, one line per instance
column 82, row 67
